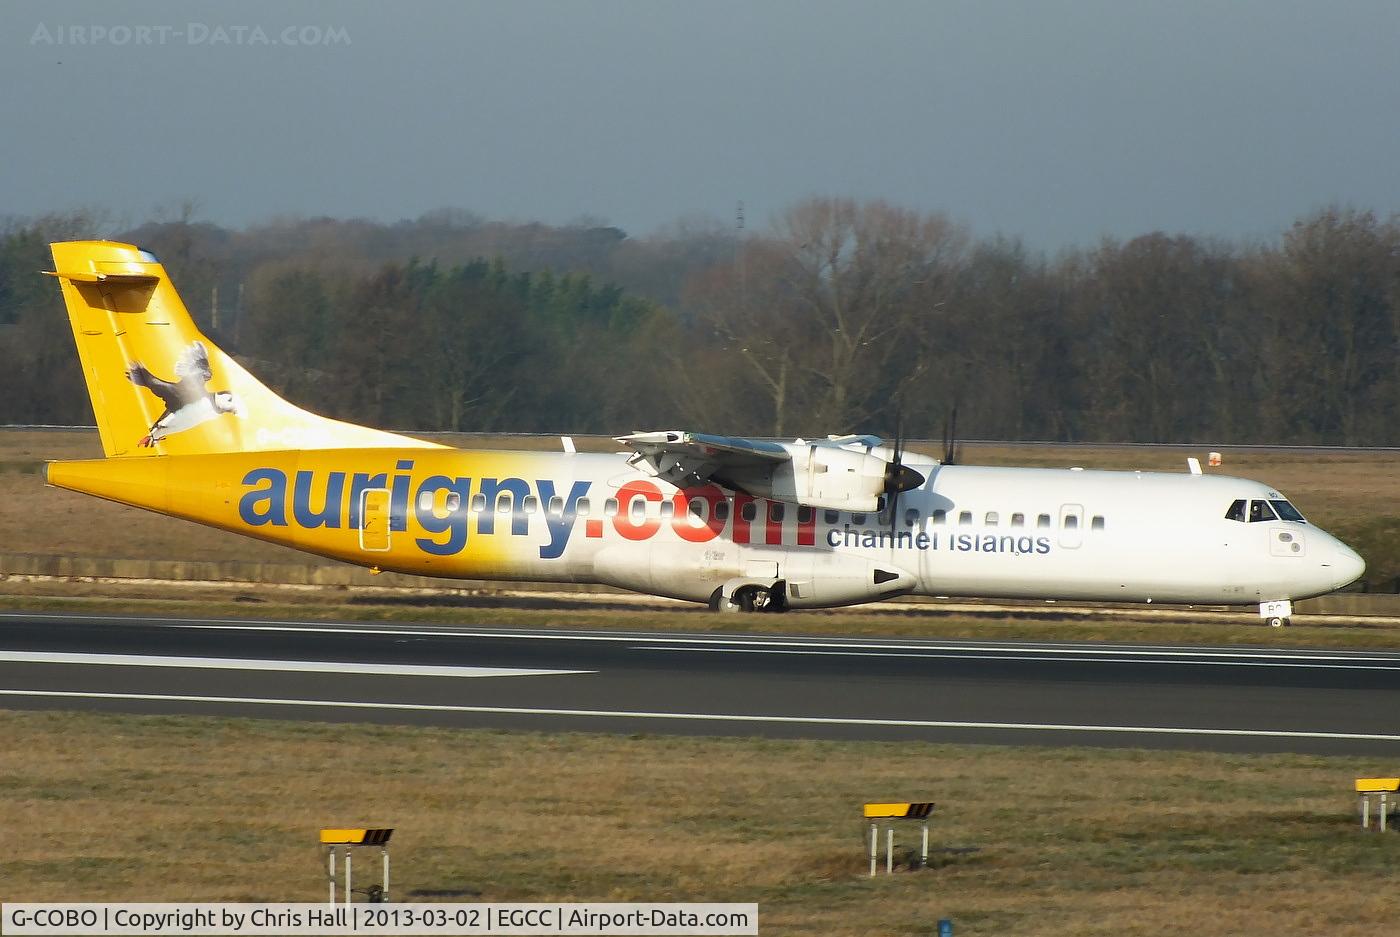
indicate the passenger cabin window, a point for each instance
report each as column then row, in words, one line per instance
column 940, row 517
column 1018, row 520
column 804, row 514
column 454, row 502
column 722, row 511
column 1236, row 512
column 556, row 505
column 775, row 513
column 1287, row 511
column 693, row 506
column 992, row 519
column 531, row 504
column 1096, row 523
column 831, row 517
column 478, row 503
column 584, row 507
column 668, row 508
column 857, row 518
column 1071, row 522
column 638, row 510
column 911, row 517
column 1260, row 511
column 503, row 504
column 610, row 507
column 748, row 512
column 965, row 518
column 1043, row 520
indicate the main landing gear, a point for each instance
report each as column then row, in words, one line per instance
column 1277, row 614
column 752, row 598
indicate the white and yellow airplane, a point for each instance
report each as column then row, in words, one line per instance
column 735, row 523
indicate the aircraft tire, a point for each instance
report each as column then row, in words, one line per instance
column 1277, row 622
column 754, row 599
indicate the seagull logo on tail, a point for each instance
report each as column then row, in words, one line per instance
column 188, row 400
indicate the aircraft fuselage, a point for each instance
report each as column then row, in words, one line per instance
column 585, row 517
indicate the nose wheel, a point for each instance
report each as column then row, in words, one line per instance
column 1278, row 614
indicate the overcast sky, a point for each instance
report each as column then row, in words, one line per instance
column 1058, row 122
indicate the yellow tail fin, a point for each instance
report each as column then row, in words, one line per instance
column 160, row 387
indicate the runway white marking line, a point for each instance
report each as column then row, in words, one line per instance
column 1379, row 667
column 292, row 666
column 706, row 717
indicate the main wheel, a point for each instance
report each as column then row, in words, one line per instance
column 1277, row 622
column 754, row 598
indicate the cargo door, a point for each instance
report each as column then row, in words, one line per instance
column 374, row 520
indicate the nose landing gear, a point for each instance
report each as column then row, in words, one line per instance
column 1278, row 614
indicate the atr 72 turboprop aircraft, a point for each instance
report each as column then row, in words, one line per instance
column 736, row 523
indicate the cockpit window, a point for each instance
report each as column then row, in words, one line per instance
column 1260, row 511
column 1236, row 512
column 1286, row 511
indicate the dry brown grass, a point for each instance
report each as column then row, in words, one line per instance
column 1069, row 841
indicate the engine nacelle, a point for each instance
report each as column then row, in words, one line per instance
column 821, row 475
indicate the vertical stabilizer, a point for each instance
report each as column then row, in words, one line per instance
column 159, row 387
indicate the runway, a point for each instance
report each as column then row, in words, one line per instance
column 712, row 684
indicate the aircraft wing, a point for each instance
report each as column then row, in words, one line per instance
column 684, row 458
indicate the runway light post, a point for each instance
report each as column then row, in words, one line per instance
column 890, row 813
column 349, row 840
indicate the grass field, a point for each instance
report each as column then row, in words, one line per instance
column 1069, row 841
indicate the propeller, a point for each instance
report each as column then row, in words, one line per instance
column 898, row 478
column 950, row 438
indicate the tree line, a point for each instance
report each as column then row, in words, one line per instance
column 842, row 316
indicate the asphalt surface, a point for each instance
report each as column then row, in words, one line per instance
column 709, row 684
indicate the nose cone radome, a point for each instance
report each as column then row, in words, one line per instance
column 1348, row 565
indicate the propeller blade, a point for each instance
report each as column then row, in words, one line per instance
column 898, row 478
column 950, row 438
